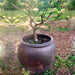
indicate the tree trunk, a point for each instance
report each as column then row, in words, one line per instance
column 35, row 35
column 34, row 31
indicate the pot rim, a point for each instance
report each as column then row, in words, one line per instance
column 37, row 45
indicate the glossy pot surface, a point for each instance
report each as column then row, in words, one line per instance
column 37, row 58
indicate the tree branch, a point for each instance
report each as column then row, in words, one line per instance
column 42, row 21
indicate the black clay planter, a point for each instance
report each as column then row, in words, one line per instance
column 37, row 58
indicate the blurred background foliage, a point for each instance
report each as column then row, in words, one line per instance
column 7, row 4
column 9, row 14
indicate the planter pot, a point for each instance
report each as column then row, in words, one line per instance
column 37, row 58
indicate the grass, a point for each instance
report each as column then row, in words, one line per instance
column 67, row 13
column 12, row 16
column 12, row 13
column 20, row 14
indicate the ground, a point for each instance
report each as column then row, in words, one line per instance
column 10, row 39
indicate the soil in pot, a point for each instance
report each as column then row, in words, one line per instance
column 41, row 39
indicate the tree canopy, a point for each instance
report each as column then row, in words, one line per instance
column 71, row 5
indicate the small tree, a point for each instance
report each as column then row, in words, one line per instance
column 40, row 11
column 71, row 4
column 1, row 4
column 8, row 4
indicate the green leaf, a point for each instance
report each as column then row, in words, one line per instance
column 39, row 21
column 25, row 73
column 65, row 29
column 72, row 63
column 63, row 61
column 60, row 29
column 46, row 24
column 55, row 64
column 73, row 58
column 69, row 57
column 49, row 18
column 49, row 26
column 57, row 57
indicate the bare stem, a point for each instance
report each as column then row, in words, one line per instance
column 34, row 31
column 43, row 21
column 35, row 35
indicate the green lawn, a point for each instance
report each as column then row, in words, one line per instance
column 72, row 13
column 20, row 16
column 12, row 16
column 14, row 13
column 18, row 12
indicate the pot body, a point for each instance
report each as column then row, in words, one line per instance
column 36, row 58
